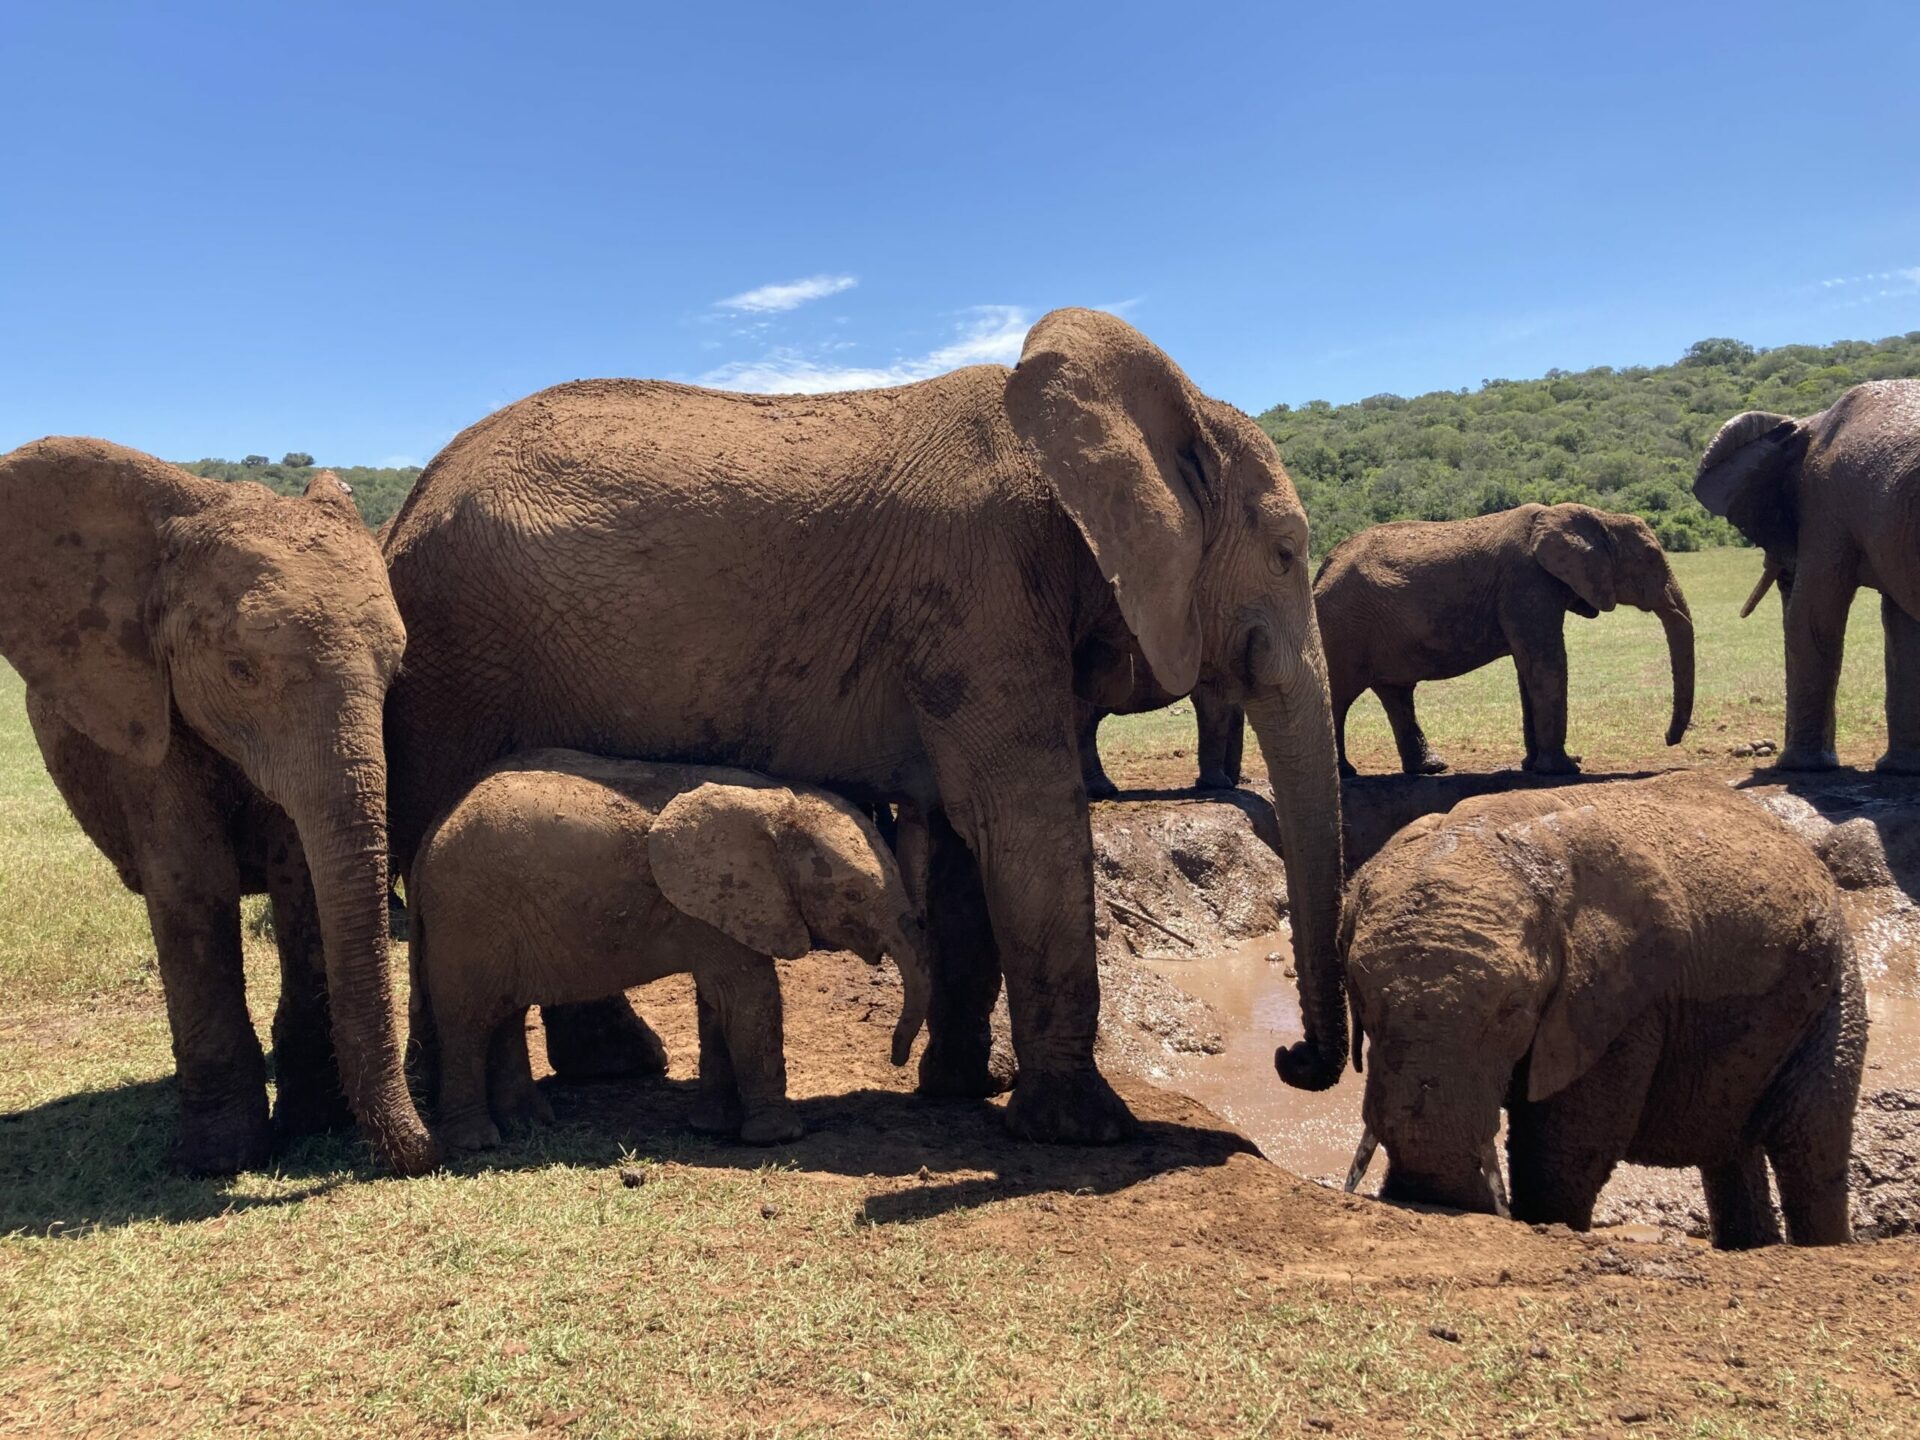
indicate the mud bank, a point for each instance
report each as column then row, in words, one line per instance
column 1198, row 986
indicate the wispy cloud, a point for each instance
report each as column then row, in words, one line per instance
column 1900, row 283
column 400, row 462
column 788, row 295
column 986, row 334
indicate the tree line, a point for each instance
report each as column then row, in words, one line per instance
column 1622, row 439
column 1626, row 440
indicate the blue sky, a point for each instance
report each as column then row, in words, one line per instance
column 353, row 229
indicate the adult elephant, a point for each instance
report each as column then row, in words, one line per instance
column 898, row 593
column 1834, row 501
column 205, row 668
column 1219, row 722
column 1430, row 599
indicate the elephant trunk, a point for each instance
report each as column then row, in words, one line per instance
column 344, row 834
column 917, row 980
column 1294, row 724
column 1677, row 621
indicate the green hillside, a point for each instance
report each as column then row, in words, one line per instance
column 1625, row 439
column 376, row 492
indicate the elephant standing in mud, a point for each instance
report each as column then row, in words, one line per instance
column 1834, row 501
column 898, row 593
column 1431, row 599
column 568, row 877
column 205, row 668
column 1656, row 971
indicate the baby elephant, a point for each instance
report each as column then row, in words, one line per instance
column 565, row 877
column 1655, row 971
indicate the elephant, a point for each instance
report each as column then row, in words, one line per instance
column 1831, row 501
column 1431, row 599
column 897, row 593
column 1221, row 723
column 563, row 877
column 1656, row 971
column 205, row 668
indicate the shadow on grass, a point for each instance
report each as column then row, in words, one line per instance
column 100, row 1159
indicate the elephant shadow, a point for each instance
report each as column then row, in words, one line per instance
column 100, row 1159
column 959, row 1151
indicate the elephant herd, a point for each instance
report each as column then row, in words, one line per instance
column 554, row 693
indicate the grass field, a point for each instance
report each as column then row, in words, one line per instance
column 817, row 1291
column 1619, row 690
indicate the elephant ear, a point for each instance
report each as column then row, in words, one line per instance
column 1570, row 543
column 1115, row 428
column 80, row 554
column 1610, row 971
column 1745, row 471
column 715, row 854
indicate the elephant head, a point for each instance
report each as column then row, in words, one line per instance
column 1750, row 475
column 1607, row 559
column 1195, row 526
column 786, row 871
column 138, row 597
column 1476, row 954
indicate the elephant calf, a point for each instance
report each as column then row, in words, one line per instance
column 1655, row 971
column 1431, row 599
column 564, row 877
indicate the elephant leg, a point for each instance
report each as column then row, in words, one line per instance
column 1540, row 659
column 1810, row 1108
column 511, row 1094
column 1093, row 774
column 1561, row 1150
column 746, row 1002
column 1740, row 1202
column 1816, row 636
column 1341, row 705
column 1903, row 690
column 601, row 1040
column 307, row 1095
column 1222, row 735
column 965, row 961
column 1025, row 818
column 193, row 905
column 716, row 1106
column 1416, row 756
column 465, row 1119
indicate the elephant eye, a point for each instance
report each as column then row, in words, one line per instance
column 242, row 671
column 1282, row 558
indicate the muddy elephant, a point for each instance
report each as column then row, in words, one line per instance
column 563, row 877
column 1834, row 501
column 1656, row 971
column 205, row 668
column 1431, row 599
column 1220, row 723
column 898, row 593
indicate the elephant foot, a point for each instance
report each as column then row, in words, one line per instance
column 1898, row 762
column 717, row 1112
column 602, row 1040
column 1804, row 757
column 306, row 1103
column 525, row 1110
column 1077, row 1108
column 1216, row 780
column 1432, row 764
column 470, row 1130
column 1347, row 772
column 1101, row 788
column 772, row 1125
column 1552, row 765
column 224, row 1139
column 951, row 1071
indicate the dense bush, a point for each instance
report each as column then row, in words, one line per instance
column 377, row 493
column 1620, row 439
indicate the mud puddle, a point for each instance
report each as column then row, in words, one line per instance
column 1311, row 1134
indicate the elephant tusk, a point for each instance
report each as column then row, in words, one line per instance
column 1490, row 1167
column 1768, row 575
column 1362, row 1157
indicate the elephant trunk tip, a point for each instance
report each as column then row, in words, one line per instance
column 1305, row 1066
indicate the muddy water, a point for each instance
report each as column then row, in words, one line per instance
column 1314, row 1134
